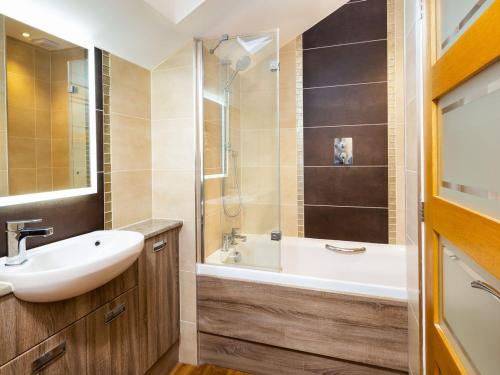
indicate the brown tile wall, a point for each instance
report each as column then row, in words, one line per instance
column 345, row 95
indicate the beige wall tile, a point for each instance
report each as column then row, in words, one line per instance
column 44, row 179
column 42, row 65
column 259, row 110
column 260, row 218
column 187, row 247
column 130, row 143
column 412, row 122
column 60, row 124
column 60, row 153
column 59, row 66
column 3, row 151
column 288, row 185
column 43, row 153
column 59, row 96
column 21, row 121
column 22, row 180
column 212, row 233
column 42, row 124
column 21, row 58
column 42, row 95
column 289, row 220
column 21, row 91
column 4, row 183
column 60, row 178
column 173, row 144
column 288, row 109
column 172, row 93
column 131, row 89
column 173, row 194
column 188, row 344
column 22, row 152
column 288, row 148
column 183, row 57
column 187, row 285
column 131, row 197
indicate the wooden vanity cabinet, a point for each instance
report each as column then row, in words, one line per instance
column 63, row 353
column 112, row 345
column 159, row 297
column 124, row 327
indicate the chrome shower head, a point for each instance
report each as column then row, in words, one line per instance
column 223, row 38
column 242, row 64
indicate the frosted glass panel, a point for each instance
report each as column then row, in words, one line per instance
column 454, row 17
column 470, row 316
column 470, row 152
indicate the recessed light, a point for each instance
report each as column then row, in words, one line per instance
column 26, row 35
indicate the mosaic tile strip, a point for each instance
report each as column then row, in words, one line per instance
column 106, row 91
column 299, row 105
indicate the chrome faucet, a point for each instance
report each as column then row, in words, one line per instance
column 16, row 239
column 235, row 234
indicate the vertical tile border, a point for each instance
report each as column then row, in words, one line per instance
column 395, row 126
column 106, row 91
column 299, row 118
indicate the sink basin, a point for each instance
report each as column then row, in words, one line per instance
column 72, row 267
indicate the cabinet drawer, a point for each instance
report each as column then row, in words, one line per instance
column 64, row 353
column 470, row 315
column 112, row 345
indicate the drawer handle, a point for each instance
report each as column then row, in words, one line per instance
column 115, row 313
column 160, row 245
column 47, row 358
column 478, row 284
column 345, row 250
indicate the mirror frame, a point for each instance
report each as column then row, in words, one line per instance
column 54, row 25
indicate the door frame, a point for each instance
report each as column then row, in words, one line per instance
column 474, row 233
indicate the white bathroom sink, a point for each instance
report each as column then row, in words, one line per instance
column 72, row 267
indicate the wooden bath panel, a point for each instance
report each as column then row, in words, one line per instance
column 354, row 328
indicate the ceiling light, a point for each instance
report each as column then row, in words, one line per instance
column 26, row 35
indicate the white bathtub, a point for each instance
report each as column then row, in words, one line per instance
column 305, row 263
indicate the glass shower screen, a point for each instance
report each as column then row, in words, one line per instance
column 240, row 151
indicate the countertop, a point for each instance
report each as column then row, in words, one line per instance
column 4, row 289
column 152, row 227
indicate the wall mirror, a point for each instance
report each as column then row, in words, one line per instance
column 47, row 115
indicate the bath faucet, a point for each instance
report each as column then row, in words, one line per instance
column 16, row 235
column 235, row 233
column 227, row 241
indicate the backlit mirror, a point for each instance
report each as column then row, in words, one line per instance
column 46, row 127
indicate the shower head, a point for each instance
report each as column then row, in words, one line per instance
column 223, row 38
column 242, row 64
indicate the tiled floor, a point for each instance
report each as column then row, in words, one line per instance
column 182, row 369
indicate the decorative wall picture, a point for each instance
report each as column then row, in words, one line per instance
column 343, row 151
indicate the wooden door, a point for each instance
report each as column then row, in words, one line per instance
column 112, row 337
column 159, row 316
column 461, row 214
column 63, row 353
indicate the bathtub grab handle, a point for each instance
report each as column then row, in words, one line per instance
column 345, row 250
column 478, row 284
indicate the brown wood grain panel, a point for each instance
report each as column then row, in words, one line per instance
column 355, row 328
column 112, row 347
column 73, row 361
column 30, row 323
column 262, row 359
column 166, row 363
column 159, row 298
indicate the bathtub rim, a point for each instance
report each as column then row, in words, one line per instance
column 303, row 282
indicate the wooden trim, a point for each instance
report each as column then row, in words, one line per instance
column 270, row 360
column 325, row 323
column 477, row 235
column 471, row 53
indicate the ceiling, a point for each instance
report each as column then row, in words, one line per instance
column 148, row 31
